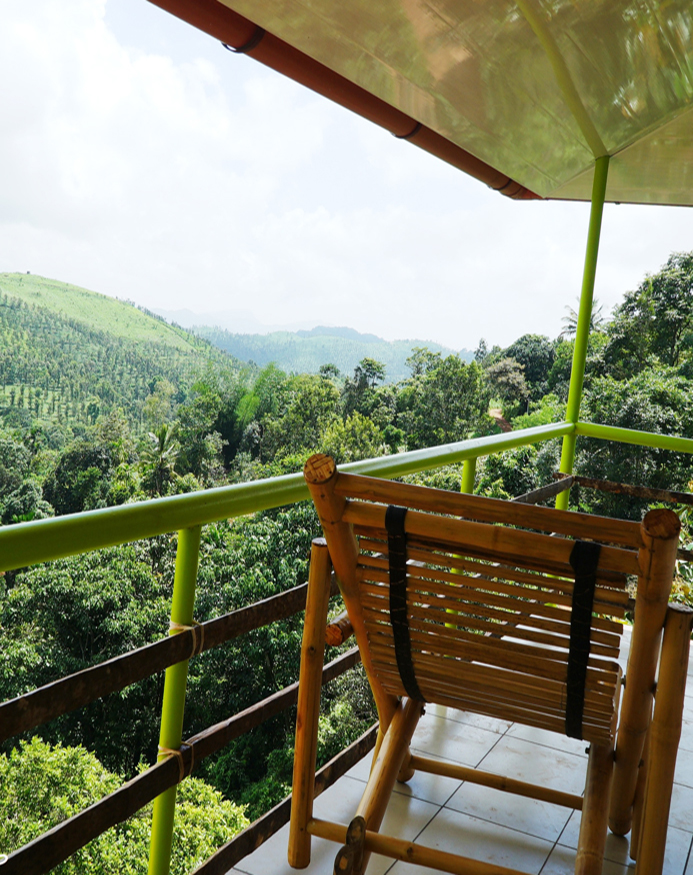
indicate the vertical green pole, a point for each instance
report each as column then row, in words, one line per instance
column 577, row 374
column 171, row 734
column 468, row 474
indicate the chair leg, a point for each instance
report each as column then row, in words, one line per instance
column 386, row 767
column 310, row 683
column 665, row 734
column 595, row 809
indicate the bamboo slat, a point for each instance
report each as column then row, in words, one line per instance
column 499, row 683
column 490, row 510
column 463, row 601
column 486, row 650
column 552, row 591
column 517, row 625
column 468, row 536
column 552, row 606
column 437, row 689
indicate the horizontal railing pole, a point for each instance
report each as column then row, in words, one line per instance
column 637, row 438
column 74, row 691
column 48, row 850
column 43, row 540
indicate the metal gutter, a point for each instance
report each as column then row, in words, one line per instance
column 243, row 36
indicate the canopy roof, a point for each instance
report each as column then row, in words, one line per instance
column 530, row 91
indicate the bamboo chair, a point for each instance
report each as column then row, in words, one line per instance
column 505, row 610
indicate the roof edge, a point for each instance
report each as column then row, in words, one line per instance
column 243, row 36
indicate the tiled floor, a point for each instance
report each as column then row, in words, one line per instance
column 491, row 826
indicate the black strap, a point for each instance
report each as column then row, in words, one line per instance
column 397, row 554
column 584, row 560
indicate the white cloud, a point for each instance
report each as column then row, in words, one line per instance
column 147, row 162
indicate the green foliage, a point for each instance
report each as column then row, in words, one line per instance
column 355, row 438
column 536, row 354
column 70, row 356
column 445, row 403
column 507, row 379
column 654, row 321
column 41, row 786
column 67, row 615
column 655, row 400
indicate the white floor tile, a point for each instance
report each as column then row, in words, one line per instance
column 534, row 763
column 492, row 724
column 548, row 739
column 459, row 742
column 527, row 815
column 458, row 833
column 684, row 768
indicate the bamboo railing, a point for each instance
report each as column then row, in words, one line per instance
column 30, row 543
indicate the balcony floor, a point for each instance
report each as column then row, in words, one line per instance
column 489, row 825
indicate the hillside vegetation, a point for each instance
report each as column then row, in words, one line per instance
column 68, row 355
column 121, row 319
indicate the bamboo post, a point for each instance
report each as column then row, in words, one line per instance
column 639, row 800
column 592, row 839
column 665, row 734
column 657, row 556
column 171, row 733
column 308, row 711
column 321, row 476
column 577, row 373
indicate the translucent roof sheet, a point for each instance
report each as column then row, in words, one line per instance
column 535, row 89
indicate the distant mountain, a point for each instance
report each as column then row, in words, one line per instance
column 304, row 351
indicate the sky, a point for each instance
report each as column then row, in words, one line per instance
column 142, row 160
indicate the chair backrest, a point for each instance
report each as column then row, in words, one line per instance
column 480, row 604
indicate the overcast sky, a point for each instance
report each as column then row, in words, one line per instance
column 142, row 160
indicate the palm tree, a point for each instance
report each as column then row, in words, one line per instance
column 158, row 458
column 571, row 320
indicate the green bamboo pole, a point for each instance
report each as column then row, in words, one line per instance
column 468, row 475
column 43, row 540
column 577, row 373
column 171, row 734
column 635, row 437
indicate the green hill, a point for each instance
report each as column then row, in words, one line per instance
column 306, row 351
column 67, row 354
column 98, row 312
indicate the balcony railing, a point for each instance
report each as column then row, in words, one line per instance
column 31, row 543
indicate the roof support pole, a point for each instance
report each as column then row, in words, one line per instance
column 577, row 373
column 171, row 733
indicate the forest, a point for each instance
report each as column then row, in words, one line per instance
column 89, row 419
